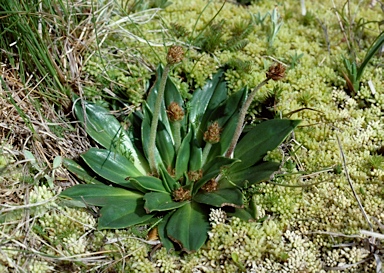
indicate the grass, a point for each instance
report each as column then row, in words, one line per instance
column 54, row 49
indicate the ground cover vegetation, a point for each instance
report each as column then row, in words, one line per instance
column 304, row 197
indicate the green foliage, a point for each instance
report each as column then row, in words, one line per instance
column 187, row 184
column 354, row 72
column 178, row 30
column 213, row 38
column 274, row 26
column 43, row 171
column 267, row 105
column 308, row 19
column 240, row 65
column 293, row 59
column 376, row 162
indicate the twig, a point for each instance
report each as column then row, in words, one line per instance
column 350, row 184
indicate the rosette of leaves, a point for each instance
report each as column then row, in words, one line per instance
column 193, row 172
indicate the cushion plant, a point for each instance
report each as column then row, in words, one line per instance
column 177, row 160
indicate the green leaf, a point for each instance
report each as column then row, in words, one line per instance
column 204, row 102
column 221, row 197
column 107, row 131
column 158, row 201
column 218, row 97
column 99, row 195
column 196, row 152
column 374, row 47
column 196, row 157
column 261, row 139
column 202, row 96
column 251, row 175
column 188, row 226
column 183, row 156
column 80, row 172
column 169, row 182
column 124, row 214
column 227, row 116
column 224, row 112
column 111, row 166
column 161, row 229
column 149, row 183
column 243, row 214
column 165, row 146
column 172, row 94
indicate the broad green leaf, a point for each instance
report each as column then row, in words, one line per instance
column 107, row 131
column 196, row 157
column 243, row 214
column 251, row 175
column 99, row 195
column 172, row 94
column 218, row 97
column 227, row 116
column 169, row 182
column 188, row 226
column 202, row 96
column 221, row 197
column 111, row 166
column 261, row 139
column 183, row 156
column 123, row 214
column 224, row 112
column 149, row 183
column 164, row 143
column 161, row 229
column 80, row 172
column 158, row 201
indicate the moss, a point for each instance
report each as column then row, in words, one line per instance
column 285, row 242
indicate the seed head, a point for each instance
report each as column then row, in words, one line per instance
column 175, row 112
column 195, row 175
column 181, row 194
column 276, row 72
column 175, row 54
column 212, row 135
column 210, row 186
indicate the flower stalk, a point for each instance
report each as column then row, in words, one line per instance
column 275, row 72
column 175, row 115
column 211, row 136
column 175, row 55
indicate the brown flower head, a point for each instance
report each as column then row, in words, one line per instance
column 175, row 54
column 276, row 72
column 195, row 175
column 210, row 186
column 212, row 135
column 181, row 194
column 175, row 112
